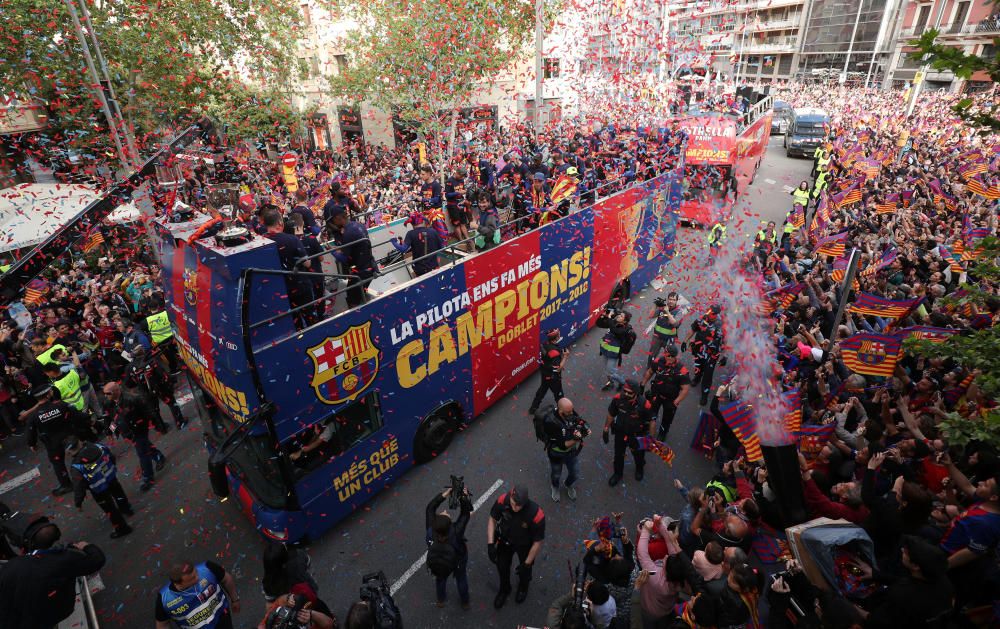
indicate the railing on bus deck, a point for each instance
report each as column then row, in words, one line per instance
column 757, row 110
column 456, row 247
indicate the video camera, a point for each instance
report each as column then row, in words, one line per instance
column 18, row 530
column 285, row 617
column 375, row 592
column 660, row 302
column 457, row 491
column 580, row 600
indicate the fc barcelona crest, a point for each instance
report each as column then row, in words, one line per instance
column 345, row 365
column 872, row 353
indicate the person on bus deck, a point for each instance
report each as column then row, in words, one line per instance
column 290, row 252
column 302, row 209
column 354, row 254
column 296, row 226
column 458, row 207
column 419, row 243
column 430, row 188
column 488, row 227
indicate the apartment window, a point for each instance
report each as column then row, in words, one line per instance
column 314, row 66
column 341, row 63
column 550, row 68
column 306, row 16
column 960, row 14
column 923, row 13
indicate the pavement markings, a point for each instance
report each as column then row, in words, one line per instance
column 16, row 482
column 185, row 398
column 770, row 182
column 419, row 563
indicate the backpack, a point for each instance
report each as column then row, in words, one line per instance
column 442, row 558
column 629, row 341
column 539, row 421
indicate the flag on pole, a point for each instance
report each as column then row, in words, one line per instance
column 740, row 419
column 793, row 418
column 871, row 354
column 868, row 304
column 783, row 296
column 797, row 217
column 926, row 333
column 34, row 292
column 888, row 257
column 834, row 245
column 563, row 188
column 94, row 240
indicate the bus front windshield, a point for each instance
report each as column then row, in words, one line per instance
column 706, row 183
column 255, row 462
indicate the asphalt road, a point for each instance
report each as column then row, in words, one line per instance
column 181, row 518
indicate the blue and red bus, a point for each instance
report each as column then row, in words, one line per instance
column 306, row 425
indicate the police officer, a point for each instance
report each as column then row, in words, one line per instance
column 822, row 183
column 670, row 385
column 611, row 349
column 198, row 595
column 93, row 468
column 516, row 527
column 52, row 421
column 355, row 253
column 67, row 384
column 668, row 316
column 553, row 359
column 565, row 431
column 630, row 416
column 706, row 348
column 161, row 334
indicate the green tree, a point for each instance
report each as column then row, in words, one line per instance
column 983, row 116
column 978, row 351
column 163, row 56
column 419, row 57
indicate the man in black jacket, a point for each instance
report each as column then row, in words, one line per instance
column 447, row 553
column 38, row 590
column 52, row 421
column 565, row 431
column 134, row 413
column 630, row 416
column 516, row 527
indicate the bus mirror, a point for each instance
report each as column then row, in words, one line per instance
column 217, row 477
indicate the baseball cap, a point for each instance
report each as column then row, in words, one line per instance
column 41, row 390
column 539, row 176
column 572, row 171
column 520, row 494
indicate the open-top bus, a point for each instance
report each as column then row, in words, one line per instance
column 387, row 383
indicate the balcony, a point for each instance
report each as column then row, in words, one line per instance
column 989, row 25
column 777, row 25
column 775, row 45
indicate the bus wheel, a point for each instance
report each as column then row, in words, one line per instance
column 435, row 433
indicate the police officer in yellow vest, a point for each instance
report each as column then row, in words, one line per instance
column 716, row 236
column 822, row 182
column 817, row 152
column 68, row 385
column 800, row 196
column 48, row 356
column 766, row 234
column 823, row 163
column 160, row 332
column 786, row 233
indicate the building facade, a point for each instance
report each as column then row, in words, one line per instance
column 971, row 25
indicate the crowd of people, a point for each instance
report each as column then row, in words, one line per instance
column 94, row 361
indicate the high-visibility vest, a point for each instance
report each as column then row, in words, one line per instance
column 69, row 390
column 817, row 152
column 789, row 227
column 717, row 234
column 726, row 490
column 821, row 184
column 822, row 162
column 4, row 268
column 46, row 357
column 663, row 327
column 159, row 327
column 801, row 197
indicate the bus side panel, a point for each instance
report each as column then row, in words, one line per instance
column 508, row 290
column 567, row 255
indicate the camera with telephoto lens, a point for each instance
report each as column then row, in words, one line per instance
column 457, row 491
column 285, row 617
column 660, row 302
column 375, row 592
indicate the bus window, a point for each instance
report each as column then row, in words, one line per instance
column 336, row 434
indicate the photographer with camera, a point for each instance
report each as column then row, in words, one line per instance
column 668, row 316
column 565, row 432
column 553, row 360
column 38, row 589
column 299, row 609
column 516, row 527
column 617, row 342
column 585, row 606
column 447, row 553
column 376, row 609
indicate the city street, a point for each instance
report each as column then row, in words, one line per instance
column 181, row 518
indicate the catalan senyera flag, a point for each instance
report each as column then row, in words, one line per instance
column 871, row 354
column 954, row 261
column 563, row 188
column 783, row 296
column 888, row 257
column 852, row 196
column 868, row 304
column 834, row 245
column 926, row 333
column 887, row 207
column 976, row 186
column 94, row 240
column 964, row 253
column 34, row 292
column 741, row 419
column 797, row 217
